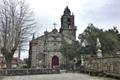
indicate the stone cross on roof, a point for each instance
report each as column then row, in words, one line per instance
column 54, row 25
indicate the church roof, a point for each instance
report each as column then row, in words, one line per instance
column 54, row 31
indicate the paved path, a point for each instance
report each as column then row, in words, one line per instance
column 62, row 76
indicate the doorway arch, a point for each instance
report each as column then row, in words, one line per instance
column 55, row 62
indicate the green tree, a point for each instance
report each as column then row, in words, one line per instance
column 109, row 40
column 88, row 38
column 70, row 50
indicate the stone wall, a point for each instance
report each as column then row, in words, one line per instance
column 108, row 65
column 13, row 72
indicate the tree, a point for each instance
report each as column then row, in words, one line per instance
column 15, row 23
column 88, row 38
column 109, row 39
column 70, row 50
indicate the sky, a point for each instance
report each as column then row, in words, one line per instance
column 103, row 14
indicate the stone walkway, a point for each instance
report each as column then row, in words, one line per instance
column 62, row 76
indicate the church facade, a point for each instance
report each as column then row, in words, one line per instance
column 44, row 51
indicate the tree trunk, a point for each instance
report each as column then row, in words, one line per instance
column 8, row 57
column 8, row 60
column 67, row 64
column 8, row 64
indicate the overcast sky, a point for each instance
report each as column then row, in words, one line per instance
column 102, row 13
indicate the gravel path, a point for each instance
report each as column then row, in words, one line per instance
column 62, row 76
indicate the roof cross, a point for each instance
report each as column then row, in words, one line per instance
column 54, row 25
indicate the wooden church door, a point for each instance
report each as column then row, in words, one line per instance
column 55, row 62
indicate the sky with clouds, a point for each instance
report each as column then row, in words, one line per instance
column 102, row 13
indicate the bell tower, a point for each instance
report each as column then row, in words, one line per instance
column 68, row 27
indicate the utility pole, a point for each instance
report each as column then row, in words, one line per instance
column 19, row 52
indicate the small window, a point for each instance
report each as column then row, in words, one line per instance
column 68, row 20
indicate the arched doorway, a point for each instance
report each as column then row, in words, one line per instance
column 55, row 62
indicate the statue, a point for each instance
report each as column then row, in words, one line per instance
column 99, row 51
column 98, row 45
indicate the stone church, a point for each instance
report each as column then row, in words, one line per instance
column 44, row 51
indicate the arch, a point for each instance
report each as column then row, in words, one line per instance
column 55, row 62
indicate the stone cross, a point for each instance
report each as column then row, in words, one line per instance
column 54, row 25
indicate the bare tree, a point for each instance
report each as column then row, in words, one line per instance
column 15, row 23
